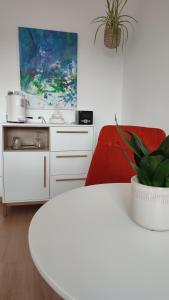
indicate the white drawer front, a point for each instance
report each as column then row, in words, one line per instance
column 71, row 138
column 70, row 162
column 59, row 185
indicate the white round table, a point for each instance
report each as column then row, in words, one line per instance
column 86, row 247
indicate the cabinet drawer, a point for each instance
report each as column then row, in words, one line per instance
column 71, row 138
column 59, row 185
column 70, row 162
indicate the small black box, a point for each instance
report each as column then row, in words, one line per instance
column 85, row 117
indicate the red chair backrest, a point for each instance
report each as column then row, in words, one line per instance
column 108, row 163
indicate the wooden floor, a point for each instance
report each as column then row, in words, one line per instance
column 19, row 279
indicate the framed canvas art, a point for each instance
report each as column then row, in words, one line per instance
column 48, row 68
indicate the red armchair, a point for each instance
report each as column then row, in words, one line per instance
column 108, row 163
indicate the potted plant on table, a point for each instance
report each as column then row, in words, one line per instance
column 150, row 187
column 115, row 23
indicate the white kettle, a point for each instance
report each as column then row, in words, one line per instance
column 16, row 107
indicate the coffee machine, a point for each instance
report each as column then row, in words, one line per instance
column 16, row 107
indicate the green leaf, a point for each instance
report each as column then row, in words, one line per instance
column 123, row 36
column 142, row 174
column 161, row 172
column 97, row 31
column 109, row 5
column 125, row 21
column 99, row 19
column 150, row 162
column 144, row 177
column 137, row 160
column 138, row 144
column 164, row 146
column 127, row 16
column 167, row 181
column 135, row 144
column 122, row 134
column 125, row 2
column 127, row 157
column 125, row 30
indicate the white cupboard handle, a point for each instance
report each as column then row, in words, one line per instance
column 71, row 156
column 73, row 131
column 70, row 179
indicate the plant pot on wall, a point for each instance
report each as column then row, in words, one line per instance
column 150, row 205
column 111, row 40
column 115, row 23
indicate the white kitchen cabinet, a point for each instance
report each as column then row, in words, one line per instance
column 33, row 174
column 26, row 176
column 70, row 156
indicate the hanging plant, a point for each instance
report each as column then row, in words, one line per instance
column 115, row 23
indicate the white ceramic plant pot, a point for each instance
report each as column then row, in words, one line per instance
column 150, row 206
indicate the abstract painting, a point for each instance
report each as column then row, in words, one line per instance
column 48, row 68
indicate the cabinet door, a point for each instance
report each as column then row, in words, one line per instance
column 26, row 176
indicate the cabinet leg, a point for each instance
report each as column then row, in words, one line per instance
column 5, row 210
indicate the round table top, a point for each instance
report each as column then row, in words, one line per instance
column 86, row 247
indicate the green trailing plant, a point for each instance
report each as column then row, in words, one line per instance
column 115, row 21
column 152, row 168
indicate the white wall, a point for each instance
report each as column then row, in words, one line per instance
column 146, row 68
column 99, row 69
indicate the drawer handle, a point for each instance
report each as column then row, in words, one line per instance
column 44, row 178
column 70, row 179
column 71, row 131
column 71, row 156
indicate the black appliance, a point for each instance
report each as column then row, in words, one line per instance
column 85, row 117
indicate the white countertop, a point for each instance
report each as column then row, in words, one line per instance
column 43, row 125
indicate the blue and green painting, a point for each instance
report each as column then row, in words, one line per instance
column 48, row 68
